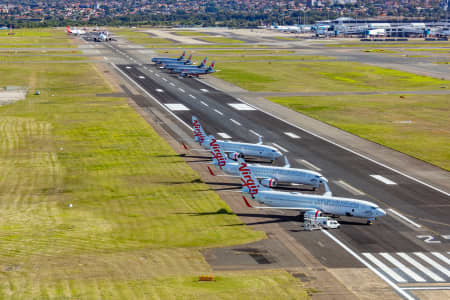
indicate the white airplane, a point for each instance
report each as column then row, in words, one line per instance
column 235, row 149
column 75, row 31
column 269, row 176
column 310, row 205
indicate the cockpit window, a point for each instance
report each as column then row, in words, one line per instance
column 273, row 151
column 372, row 207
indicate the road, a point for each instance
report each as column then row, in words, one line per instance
column 408, row 248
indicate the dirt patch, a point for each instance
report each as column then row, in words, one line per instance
column 10, row 95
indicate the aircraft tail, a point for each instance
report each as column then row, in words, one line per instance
column 203, row 63
column 68, row 29
column 199, row 132
column 188, row 61
column 182, row 55
column 250, row 183
column 219, row 157
column 211, row 68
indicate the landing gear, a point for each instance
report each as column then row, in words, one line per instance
column 369, row 221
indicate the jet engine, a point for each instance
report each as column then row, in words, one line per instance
column 312, row 214
column 269, row 182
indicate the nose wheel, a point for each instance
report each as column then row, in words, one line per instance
column 370, row 221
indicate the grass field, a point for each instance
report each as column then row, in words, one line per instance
column 140, row 37
column 315, row 76
column 139, row 214
column 191, row 33
column 35, row 38
column 209, row 46
column 390, row 45
column 221, row 40
column 284, row 38
column 415, row 124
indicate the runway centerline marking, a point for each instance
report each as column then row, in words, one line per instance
column 383, row 179
column 391, row 273
column 204, row 90
column 255, row 133
column 172, row 84
column 192, row 96
column 279, row 147
column 105, row 58
column 235, row 122
column 164, row 79
column 151, row 71
column 433, row 263
column 219, row 112
column 158, row 75
column 128, row 67
column 292, row 135
column 349, row 188
column 404, row 218
column 402, row 267
column 224, row 135
column 309, row 165
column 205, row 104
column 142, row 77
column 159, row 90
column 181, row 90
column 241, row 106
column 420, row 267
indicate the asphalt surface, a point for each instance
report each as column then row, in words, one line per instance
column 420, row 228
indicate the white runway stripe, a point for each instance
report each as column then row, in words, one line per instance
column 404, row 218
column 172, row 84
column 384, row 268
column 204, row 103
column 441, row 257
column 219, row 112
column 192, row 96
column 181, row 90
column 235, row 122
column 224, row 135
column 383, row 179
column 433, row 263
column 402, row 267
column 292, row 135
column 420, row 267
column 309, row 165
column 255, row 133
column 349, row 188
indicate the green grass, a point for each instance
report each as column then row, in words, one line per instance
column 41, row 58
column 219, row 46
column 429, row 50
column 140, row 37
column 35, row 38
column 140, row 214
column 384, row 120
column 441, row 62
column 221, row 40
column 191, row 33
column 379, row 51
column 317, row 76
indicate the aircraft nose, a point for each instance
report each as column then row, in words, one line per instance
column 381, row 212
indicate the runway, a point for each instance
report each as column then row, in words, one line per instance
column 409, row 246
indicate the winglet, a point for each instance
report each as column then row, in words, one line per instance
column 286, row 162
column 246, row 202
column 260, row 141
column 211, row 172
column 327, row 190
column 184, row 146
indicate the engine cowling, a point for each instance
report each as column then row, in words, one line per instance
column 269, row 182
column 234, row 155
column 312, row 214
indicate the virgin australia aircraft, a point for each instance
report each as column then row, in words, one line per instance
column 310, row 205
column 172, row 64
column 269, row 176
column 235, row 149
column 165, row 60
column 185, row 72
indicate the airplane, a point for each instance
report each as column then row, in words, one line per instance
column 235, row 149
column 161, row 60
column 75, row 31
column 269, row 176
column 185, row 72
column 179, row 67
column 102, row 37
column 175, row 64
column 312, row 206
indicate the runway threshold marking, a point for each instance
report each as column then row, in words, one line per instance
column 235, row 122
column 176, row 106
column 404, row 218
column 441, row 257
column 420, row 267
column 241, row 106
column 219, row 112
column 433, row 263
column 349, row 188
column 391, row 273
column 279, row 147
column 224, row 135
column 309, row 165
column 402, row 267
column 255, row 133
column 292, row 135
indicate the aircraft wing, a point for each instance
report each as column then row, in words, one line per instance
column 279, row 207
